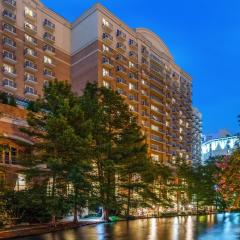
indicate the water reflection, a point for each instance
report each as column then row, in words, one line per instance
column 211, row 227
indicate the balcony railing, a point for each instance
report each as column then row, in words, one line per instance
column 9, row 57
column 107, row 63
column 10, row 3
column 9, row 16
column 7, row 42
column 30, row 28
column 30, row 92
column 49, row 37
column 121, row 47
column 30, row 79
column 107, row 38
column 121, row 35
column 30, row 53
column 9, row 28
column 30, row 66
column 49, row 74
column 49, row 25
column 108, row 27
column 9, row 84
column 10, row 73
column 49, row 49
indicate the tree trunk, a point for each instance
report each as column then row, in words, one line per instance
column 105, row 215
column 128, row 196
column 75, row 210
column 54, row 222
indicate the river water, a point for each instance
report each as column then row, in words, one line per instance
column 212, row 227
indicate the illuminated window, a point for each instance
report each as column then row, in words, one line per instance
column 29, row 12
column 105, row 72
column 47, row 60
column 155, row 157
column 154, row 127
column 106, row 84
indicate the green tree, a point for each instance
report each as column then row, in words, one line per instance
column 119, row 149
column 61, row 137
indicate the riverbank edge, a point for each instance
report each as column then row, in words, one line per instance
column 28, row 231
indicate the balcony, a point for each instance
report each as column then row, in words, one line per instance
column 9, row 28
column 121, row 36
column 145, row 63
column 133, row 44
column 121, row 81
column 9, row 57
column 133, row 56
column 121, row 71
column 50, row 64
column 9, row 73
column 145, row 52
column 9, row 16
column 30, row 92
column 49, row 37
column 10, row 4
column 49, row 74
column 7, row 42
column 121, row 59
column 30, row 15
column 48, row 25
column 30, row 66
column 30, row 79
column 107, row 38
column 108, row 76
column 107, row 63
column 30, row 28
column 49, row 50
column 30, row 53
column 133, row 67
column 9, row 85
column 108, row 52
column 133, row 77
column 107, row 27
column 30, row 40
column 121, row 47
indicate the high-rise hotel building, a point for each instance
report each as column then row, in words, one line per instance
column 39, row 46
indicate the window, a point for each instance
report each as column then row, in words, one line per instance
column 106, row 84
column 8, row 68
column 9, row 42
column 10, row 55
column 9, row 83
column 30, row 39
column 29, row 12
column 105, row 48
column 47, row 60
column 9, row 28
column 30, row 77
column 49, row 48
column 31, row 52
column 106, row 23
column 49, row 36
column 48, row 23
column 30, row 90
column 131, row 64
column 155, row 157
column 154, row 127
column 30, row 26
column 105, row 72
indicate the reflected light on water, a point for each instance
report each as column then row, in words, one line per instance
column 175, row 229
column 189, row 229
column 153, row 229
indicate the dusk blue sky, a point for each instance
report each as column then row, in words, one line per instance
column 204, row 38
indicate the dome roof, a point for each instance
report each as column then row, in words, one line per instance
column 155, row 40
